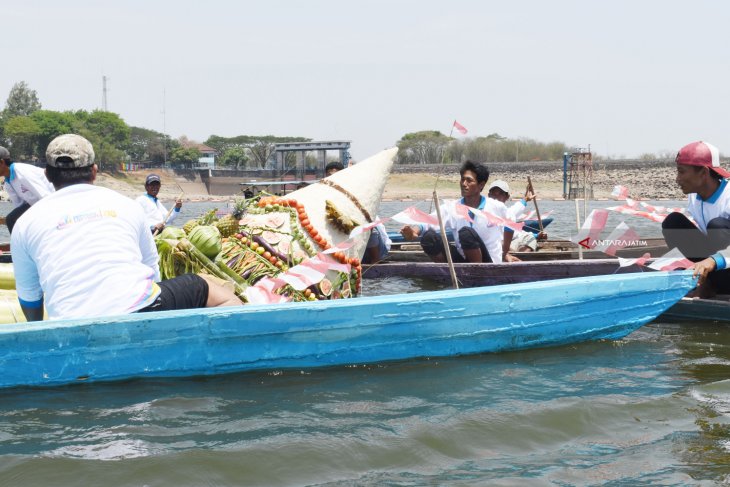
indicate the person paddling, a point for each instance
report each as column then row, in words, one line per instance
column 25, row 184
column 86, row 251
column 157, row 215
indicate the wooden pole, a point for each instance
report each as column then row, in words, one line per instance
column 445, row 241
column 534, row 200
column 172, row 208
column 577, row 225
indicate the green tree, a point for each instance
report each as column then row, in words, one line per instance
column 184, row 156
column 260, row 146
column 50, row 125
column 234, row 157
column 110, row 127
column 22, row 101
column 425, row 147
column 148, row 145
column 22, row 132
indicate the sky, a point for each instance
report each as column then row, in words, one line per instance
column 625, row 77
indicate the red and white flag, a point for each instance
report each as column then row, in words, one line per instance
column 620, row 192
column 622, row 262
column 622, row 236
column 414, row 216
column 499, row 221
column 674, row 259
column 591, row 229
column 459, row 127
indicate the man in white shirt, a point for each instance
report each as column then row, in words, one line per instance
column 157, row 215
column 700, row 176
column 475, row 241
column 499, row 190
column 25, row 185
column 86, row 251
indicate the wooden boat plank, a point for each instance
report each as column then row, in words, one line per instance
column 717, row 309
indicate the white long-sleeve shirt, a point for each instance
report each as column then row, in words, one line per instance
column 155, row 211
column 27, row 184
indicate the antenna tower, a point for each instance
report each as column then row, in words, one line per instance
column 103, row 96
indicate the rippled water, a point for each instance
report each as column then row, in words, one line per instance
column 651, row 409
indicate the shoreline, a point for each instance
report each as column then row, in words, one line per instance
column 655, row 184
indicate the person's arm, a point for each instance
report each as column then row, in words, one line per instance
column 174, row 213
column 150, row 212
column 27, row 283
column 411, row 232
column 148, row 249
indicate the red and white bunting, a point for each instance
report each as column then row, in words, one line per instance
column 499, row 221
column 263, row 292
column 622, row 262
column 330, row 263
column 627, row 210
column 414, row 216
column 360, row 229
column 344, row 245
column 621, row 236
column 674, row 259
column 620, row 192
column 463, row 211
column 591, row 229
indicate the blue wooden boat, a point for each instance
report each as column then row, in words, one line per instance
column 327, row 333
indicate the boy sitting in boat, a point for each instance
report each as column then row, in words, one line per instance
column 25, row 184
column 475, row 241
column 700, row 176
column 87, row 251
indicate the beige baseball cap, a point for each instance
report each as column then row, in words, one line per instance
column 69, row 151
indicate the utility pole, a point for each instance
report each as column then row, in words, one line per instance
column 164, row 130
column 103, row 96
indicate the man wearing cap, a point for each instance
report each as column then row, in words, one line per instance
column 156, row 213
column 475, row 238
column 86, row 251
column 700, row 176
column 25, row 185
column 499, row 191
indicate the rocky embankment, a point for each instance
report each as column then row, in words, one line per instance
column 654, row 180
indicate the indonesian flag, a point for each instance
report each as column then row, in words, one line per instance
column 591, row 229
column 620, row 192
column 622, row 236
column 364, row 228
column 263, row 292
column 674, row 259
column 638, row 261
column 499, row 221
column 463, row 211
column 459, row 127
column 414, row 216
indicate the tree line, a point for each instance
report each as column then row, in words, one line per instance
column 26, row 129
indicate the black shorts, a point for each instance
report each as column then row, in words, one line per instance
column 182, row 292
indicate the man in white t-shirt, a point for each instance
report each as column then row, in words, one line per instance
column 86, row 251
column 475, row 238
column 157, row 215
column 25, row 185
column 702, row 179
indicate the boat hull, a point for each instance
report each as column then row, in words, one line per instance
column 327, row 333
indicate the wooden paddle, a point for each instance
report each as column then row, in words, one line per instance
column 445, row 242
column 534, row 200
column 157, row 230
